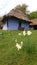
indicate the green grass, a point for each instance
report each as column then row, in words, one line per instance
column 9, row 55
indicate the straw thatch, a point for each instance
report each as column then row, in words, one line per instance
column 34, row 21
column 1, row 19
column 17, row 13
column 1, row 22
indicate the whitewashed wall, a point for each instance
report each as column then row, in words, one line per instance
column 5, row 26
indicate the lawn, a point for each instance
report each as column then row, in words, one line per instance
column 9, row 54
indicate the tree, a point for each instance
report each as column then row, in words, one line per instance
column 22, row 8
column 32, row 15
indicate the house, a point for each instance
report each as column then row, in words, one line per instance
column 15, row 20
column 1, row 22
column 34, row 24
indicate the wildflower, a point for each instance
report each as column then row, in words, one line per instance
column 18, row 46
column 24, row 33
column 21, row 43
column 29, row 32
column 16, row 40
column 19, row 34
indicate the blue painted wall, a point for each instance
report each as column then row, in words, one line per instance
column 25, row 25
column 13, row 24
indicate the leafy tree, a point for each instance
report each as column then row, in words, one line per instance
column 22, row 8
column 32, row 15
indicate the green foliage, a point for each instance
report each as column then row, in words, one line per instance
column 30, row 48
column 32, row 15
column 21, row 8
column 9, row 55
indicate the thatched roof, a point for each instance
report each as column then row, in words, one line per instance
column 34, row 21
column 17, row 13
column 1, row 19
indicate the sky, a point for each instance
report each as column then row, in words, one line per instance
column 7, row 5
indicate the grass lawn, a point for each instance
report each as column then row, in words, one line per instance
column 9, row 54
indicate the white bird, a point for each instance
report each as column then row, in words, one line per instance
column 18, row 46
